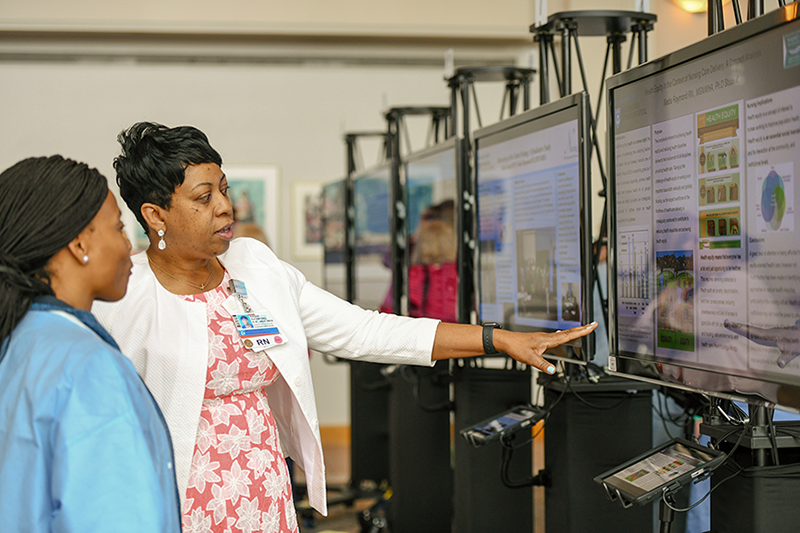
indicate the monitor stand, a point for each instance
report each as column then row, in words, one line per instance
column 593, row 426
column 749, row 502
column 666, row 516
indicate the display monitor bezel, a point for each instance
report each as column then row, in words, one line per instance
column 581, row 350
column 755, row 390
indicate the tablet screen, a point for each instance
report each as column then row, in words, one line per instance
column 663, row 466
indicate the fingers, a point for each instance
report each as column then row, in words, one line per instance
column 546, row 366
column 543, row 341
column 560, row 337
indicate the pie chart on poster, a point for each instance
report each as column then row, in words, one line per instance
column 773, row 200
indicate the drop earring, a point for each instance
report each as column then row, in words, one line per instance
column 161, row 243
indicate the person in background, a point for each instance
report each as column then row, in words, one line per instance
column 83, row 445
column 432, row 272
column 248, row 229
column 251, row 230
column 237, row 405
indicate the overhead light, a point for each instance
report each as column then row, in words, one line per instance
column 695, row 6
column 692, row 6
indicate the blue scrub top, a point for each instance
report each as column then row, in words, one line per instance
column 83, row 445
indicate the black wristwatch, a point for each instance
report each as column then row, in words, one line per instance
column 488, row 337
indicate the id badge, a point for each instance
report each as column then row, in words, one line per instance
column 258, row 331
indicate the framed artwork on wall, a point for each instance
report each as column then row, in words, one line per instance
column 254, row 196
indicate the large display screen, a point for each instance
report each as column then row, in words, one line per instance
column 704, row 250
column 334, row 234
column 534, row 233
column 431, row 192
column 372, row 204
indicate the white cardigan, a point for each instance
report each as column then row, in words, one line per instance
column 166, row 337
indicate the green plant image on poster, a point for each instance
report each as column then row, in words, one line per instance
column 675, row 294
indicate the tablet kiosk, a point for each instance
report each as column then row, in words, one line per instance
column 502, row 425
column 663, row 469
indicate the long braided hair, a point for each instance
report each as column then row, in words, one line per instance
column 45, row 202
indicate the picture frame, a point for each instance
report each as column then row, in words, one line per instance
column 254, row 194
column 307, row 220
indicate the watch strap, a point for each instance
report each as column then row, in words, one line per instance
column 488, row 338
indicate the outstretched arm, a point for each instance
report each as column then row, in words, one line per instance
column 463, row 340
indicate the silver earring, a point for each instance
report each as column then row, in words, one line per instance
column 161, row 243
column 85, row 259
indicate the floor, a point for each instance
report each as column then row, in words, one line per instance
column 344, row 519
column 341, row 518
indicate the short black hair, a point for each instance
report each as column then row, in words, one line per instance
column 153, row 163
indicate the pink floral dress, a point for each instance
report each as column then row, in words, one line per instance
column 238, row 481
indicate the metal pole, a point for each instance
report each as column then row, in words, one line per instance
column 454, row 85
column 349, row 237
column 465, row 273
column 615, row 41
column 755, row 8
column 642, row 33
column 513, row 95
column 464, row 86
column 526, row 94
column 737, row 12
column 394, row 124
column 758, row 414
column 543, row 38
column 712, row 16
column 566, row 58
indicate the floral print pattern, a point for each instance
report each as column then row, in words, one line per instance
column 238, row 482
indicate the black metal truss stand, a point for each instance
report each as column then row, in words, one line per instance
column 396, row 129
column 351, row 139
column 462, row 88
column 369, row 389
column 614, row 25
column 462, row 84
column 716, row 18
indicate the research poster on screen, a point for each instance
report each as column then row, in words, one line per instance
column 705, row 156
column 529, row 228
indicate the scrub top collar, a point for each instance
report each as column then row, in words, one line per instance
column 51, row 303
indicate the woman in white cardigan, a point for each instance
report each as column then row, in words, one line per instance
column 235, row 401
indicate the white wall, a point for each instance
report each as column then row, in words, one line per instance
column 74, row 73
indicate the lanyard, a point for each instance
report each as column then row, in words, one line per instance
column 237, row 288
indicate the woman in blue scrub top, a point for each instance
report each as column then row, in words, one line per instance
column 83, row 445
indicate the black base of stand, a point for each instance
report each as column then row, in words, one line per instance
column 419, row 450
column 482, row 503
column 582, row 441
column 750, row 504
